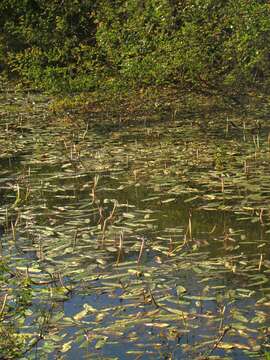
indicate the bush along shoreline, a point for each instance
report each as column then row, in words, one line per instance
column 216, row 47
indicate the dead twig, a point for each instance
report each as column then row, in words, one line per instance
column 217, row 342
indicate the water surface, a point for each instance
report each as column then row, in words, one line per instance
column 142, row 240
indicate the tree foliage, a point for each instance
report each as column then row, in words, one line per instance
column 217, row 45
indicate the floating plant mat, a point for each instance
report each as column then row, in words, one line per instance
column 138, row 242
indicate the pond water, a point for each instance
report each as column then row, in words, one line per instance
column 144, row 240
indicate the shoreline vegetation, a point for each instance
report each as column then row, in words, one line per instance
column 144, row 105
column 88, row 53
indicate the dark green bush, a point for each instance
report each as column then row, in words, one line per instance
column 213, row 45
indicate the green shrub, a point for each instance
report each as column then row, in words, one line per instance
column 75, row 45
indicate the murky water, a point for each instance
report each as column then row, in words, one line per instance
column 147, row 241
